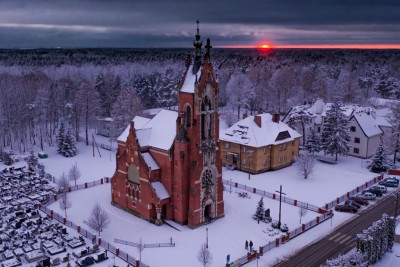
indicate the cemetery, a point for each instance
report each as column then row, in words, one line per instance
column 29, row 237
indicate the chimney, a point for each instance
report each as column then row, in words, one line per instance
column 275, row 117
column 244, row 116
column 257, row 120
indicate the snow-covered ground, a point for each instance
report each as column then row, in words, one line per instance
column 327, row 182
column 227, row 235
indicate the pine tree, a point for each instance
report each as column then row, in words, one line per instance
column 32, row 160
column 380, row 161
column 260, row 210
column 60, row 137
column 69, row 145
column 7, row 158
column 335, row 135
column 313, row 143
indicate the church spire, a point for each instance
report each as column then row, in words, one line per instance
column 197, row 43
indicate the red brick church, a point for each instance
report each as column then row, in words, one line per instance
column 169, row 167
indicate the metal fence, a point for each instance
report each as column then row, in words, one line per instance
column 274, row 196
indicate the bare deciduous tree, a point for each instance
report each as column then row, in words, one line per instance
column 302, row 212
column 63, row 185
column 305, row 164
column 74, row 173
column 99, row 218
column 204, row 256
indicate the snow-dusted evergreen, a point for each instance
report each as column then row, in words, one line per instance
column 375, row 241
column 60, row 137
column 66, row 141
column 32, row 160
column 351, row 259
column 335, row 134
column 313, row 142
column 380, row 162
column 259, row 215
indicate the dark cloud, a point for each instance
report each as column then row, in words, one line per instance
column 166, row 23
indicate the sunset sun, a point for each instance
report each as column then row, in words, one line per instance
column 265, row 46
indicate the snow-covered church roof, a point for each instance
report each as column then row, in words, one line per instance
column 190, row 80
column 158, row 132
column 247, row 132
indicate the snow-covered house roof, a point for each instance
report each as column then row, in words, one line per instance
column 160, row 190
column 158, row 132
column 190, row 80
column 248, row 132
column 369, row 122
column 150, row 162
column 138, row 122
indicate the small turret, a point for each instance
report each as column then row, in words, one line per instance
column 197, row 43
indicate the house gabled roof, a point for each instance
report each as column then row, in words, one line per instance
column 158, row 132
column 368, row 124
column 247, row 132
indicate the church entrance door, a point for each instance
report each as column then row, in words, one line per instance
column 163, row 212
column 207, row 213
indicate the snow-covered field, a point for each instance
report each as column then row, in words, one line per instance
column 227, row 235
column 327, row 182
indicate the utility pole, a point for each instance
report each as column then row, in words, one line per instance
column 207, row 237
column 250, row 158
column 397, row 201
column 280, row 205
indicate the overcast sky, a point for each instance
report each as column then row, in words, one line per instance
column 171, row 23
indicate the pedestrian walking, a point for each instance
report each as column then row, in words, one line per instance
column 246, row 245
column 251, row 245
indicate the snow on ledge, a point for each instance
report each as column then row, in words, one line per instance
column 160, row 190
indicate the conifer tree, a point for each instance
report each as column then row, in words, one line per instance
column 69, row 145
column 335, row 135
column 380, row 161
column 313, row 143
column 60, row 137
column 260, row 209
column 32, row 160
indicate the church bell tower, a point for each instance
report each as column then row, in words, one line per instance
column 198, row 194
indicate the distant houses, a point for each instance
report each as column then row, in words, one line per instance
column 259, row 143
column 366, row 125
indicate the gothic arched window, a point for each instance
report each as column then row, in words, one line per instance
column 206, row 118
column 133, row 174
column 188, row 116
column 207, row 182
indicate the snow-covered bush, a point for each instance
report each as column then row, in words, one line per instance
column 32, row 160
column 353, row 258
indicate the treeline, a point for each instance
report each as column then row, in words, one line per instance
column 40, row 88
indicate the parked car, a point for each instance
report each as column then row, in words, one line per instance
column 368, row 196
column 389, row 183
column 359, row 200
column 353, row 203
column 391, row 179
column 376, row 192
column 347, row 208
column 381, row 188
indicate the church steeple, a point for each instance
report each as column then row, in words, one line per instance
column 197, row 43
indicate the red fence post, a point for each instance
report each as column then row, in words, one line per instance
column 317, row 220
column 254, row 190
column 277, row 242
column 117, row 251
column 51, row 214
column 101, row 180
column 107, row 180
column 236, row 184
column 303, row 227
column 65, row 220
column 99, row 240
column 295, row 202
column 337, row 200
column 78, row 228
column 326, row 206
column 261, row 249
column 137, row 263
column 273, row 196
column 85, row 185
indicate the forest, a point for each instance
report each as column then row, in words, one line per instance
column 42, row 88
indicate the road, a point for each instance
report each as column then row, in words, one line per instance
column 343, row 239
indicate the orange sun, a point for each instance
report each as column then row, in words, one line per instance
column 265, row 46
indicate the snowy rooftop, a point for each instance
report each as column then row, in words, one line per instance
column 369, row 122
column 138, row 121
column 158, row 132
column 190, row 79
column 150, row 162
column 247, row 132
column 160, row 190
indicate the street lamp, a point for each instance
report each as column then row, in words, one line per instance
column 250, row 152
column 207, row 237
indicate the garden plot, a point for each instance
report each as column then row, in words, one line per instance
column 225, row 236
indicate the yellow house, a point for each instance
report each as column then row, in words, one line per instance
column 259, row 143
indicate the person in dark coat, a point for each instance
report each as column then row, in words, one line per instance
column 251, row 245
column 246, row 245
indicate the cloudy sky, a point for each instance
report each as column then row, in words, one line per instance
column 171, row 23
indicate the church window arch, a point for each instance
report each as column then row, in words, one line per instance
column 133, row 174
